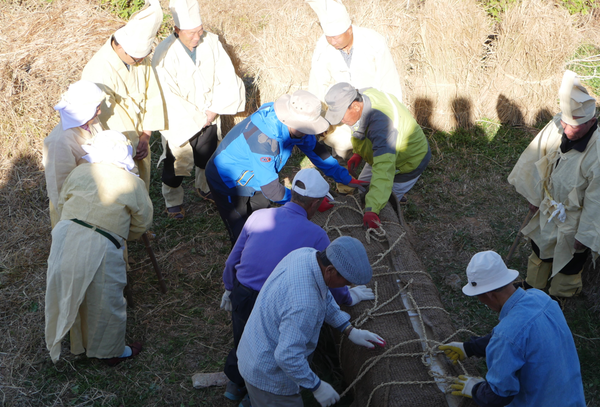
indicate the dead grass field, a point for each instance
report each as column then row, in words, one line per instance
column 461, row 205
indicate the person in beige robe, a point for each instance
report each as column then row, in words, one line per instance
column 123, row 70
column 102, row 203
column 62, row 152
column 199, row 83
column 559, row 174
column 348, row 53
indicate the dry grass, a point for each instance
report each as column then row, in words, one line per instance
column 456, row 67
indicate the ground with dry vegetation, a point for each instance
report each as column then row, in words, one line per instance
column 461, row 205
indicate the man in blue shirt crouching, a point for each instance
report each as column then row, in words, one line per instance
column 530, row 354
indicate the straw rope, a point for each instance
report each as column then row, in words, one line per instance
column 430, row 345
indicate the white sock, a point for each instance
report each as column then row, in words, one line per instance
column 127, row 352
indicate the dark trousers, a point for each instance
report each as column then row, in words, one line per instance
column 235, row 210
column 571, row 268
column 242, row 302
column 204, row 143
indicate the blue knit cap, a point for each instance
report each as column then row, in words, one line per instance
column 349, row 257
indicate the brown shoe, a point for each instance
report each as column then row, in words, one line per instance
column 136, row 348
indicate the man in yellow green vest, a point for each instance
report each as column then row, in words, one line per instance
column 386, row 136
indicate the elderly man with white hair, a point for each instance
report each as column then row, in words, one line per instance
column 530, row 355
column 79, row 108
column 348, row 53
column 282, row 230
column 199, row 83
column 102, row 203
column 559, row 174
column 243, row 174
column 133, row 103
column 283, row 329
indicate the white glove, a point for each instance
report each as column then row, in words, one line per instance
column 361, row 293
column 455, row 351
column 464, row 385
column 326, row 395
column 365, row 338
column 225, row 301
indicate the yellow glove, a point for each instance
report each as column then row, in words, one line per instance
column 463, row 386
column 455, row 351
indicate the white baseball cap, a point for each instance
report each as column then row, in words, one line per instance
column 486, row 272
column 315, row 185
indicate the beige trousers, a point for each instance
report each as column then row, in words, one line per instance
column 561, row 285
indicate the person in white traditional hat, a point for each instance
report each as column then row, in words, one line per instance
column 530, row 355
column 348, row 53
column 243, row 174
column 122, row 69
column 79, row 108
column 102, row 203
column 559, row 174
column 281, row 230
column 199, row 83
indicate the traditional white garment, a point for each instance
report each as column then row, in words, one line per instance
column 372, row 66
column 62, row 152
column 573, row 184
column 190, row 88
column 86, row 270
column 133, row 100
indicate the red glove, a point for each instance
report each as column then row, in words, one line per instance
column 371, row 220
column 358, row 184
column 325, row 205
column 354, row 162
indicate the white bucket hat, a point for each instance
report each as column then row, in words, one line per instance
column 186, row 14
column 314, row 184
column 486, row 272
column 301, row 111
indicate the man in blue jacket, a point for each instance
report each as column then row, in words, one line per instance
column 243, row 174
column 530, row 354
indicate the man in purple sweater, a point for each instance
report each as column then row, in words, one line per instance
column 267, row 237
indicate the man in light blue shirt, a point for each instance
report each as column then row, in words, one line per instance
column 530, row 354
column 283, row 329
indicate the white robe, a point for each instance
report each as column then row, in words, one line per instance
column 190, row 88
column 575, row 183
column 133, row 101
column 62, row 152
column 372, row 65
column 86, row 271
